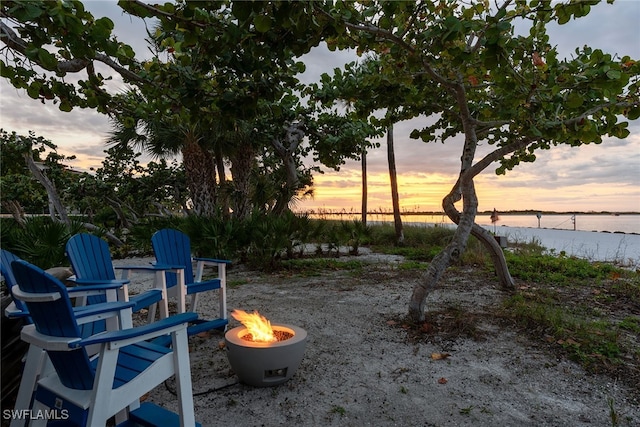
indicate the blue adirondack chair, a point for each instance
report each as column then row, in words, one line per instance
column 86, row 391
column 173, row 248
column 91, row 262
column 35, row 363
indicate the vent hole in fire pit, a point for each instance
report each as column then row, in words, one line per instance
column 280, row 336
column 275, row 373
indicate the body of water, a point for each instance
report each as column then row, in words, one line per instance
column 624, row 223
column 608, row 238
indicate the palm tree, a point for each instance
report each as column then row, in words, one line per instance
column 391, row 159
column 161, row 139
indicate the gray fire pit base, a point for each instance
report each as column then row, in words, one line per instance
column 265, row 364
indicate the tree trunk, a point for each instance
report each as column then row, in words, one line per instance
column 463, row 189
column 395, row 200
column 17, row 212
column 364, row 187
column 287, row 151
column 56, row 209
column 223, row 199
column 241, row 166
column 200, row 174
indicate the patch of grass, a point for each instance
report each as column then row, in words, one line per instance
column 235, row 283
column 593, row 343
column 630, row 323
column 558, row 270
column 420, row 243
column 317, row 266
column 412, row 265
column 587, row 311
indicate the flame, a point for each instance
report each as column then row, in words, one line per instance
column 258, row 326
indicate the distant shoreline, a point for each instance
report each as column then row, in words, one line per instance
column 511, row 212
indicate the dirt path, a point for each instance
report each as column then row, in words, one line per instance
column 363, row 367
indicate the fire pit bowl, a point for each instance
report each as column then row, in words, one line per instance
column 264, row 364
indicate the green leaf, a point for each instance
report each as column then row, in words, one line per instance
column 574, row 100
column 47, row 60
column 262, row 23
column 65, row 105
column 34, row 89
column 241, row 9
column 634, row 113
column 614, row 74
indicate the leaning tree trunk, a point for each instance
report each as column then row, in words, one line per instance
column 393, row 176
column 463, row 189
column 200, row 174
column 57, row 211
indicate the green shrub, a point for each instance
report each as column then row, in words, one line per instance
column 41, row 241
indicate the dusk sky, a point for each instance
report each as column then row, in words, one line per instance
column 588, row 178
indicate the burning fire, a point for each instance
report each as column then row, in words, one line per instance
column 257, row 325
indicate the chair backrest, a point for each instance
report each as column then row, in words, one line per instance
column 173, row 247
column 54, row 318
column 90, row 259
column 6, row 258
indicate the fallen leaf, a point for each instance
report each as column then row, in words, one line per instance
column 571, row 341
column 439, row 356
column 391, row 322
column 442, row 380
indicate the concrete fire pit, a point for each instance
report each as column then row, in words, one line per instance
column 264, row 364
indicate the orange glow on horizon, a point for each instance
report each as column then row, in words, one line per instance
column 342, row 192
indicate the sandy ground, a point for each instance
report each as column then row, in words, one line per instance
column 363, row 367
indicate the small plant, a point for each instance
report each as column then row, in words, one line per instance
column 467, row 410
column 338, row 410
column 613, row 414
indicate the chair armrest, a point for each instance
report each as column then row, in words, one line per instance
column 46, row 342
column 212, row 260
column 101, row 308
column 88, row 282
column 150, row 267
column 106, row 310
column 13, row 312
column 125, row 337
column 95, row 285
column 168, row 266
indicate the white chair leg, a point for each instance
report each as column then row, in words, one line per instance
column 222, row 274
column 33, row 368
column 152, row 312
column 182, row 368
column 39, row 407
column 193, row 304
column 102, row 387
